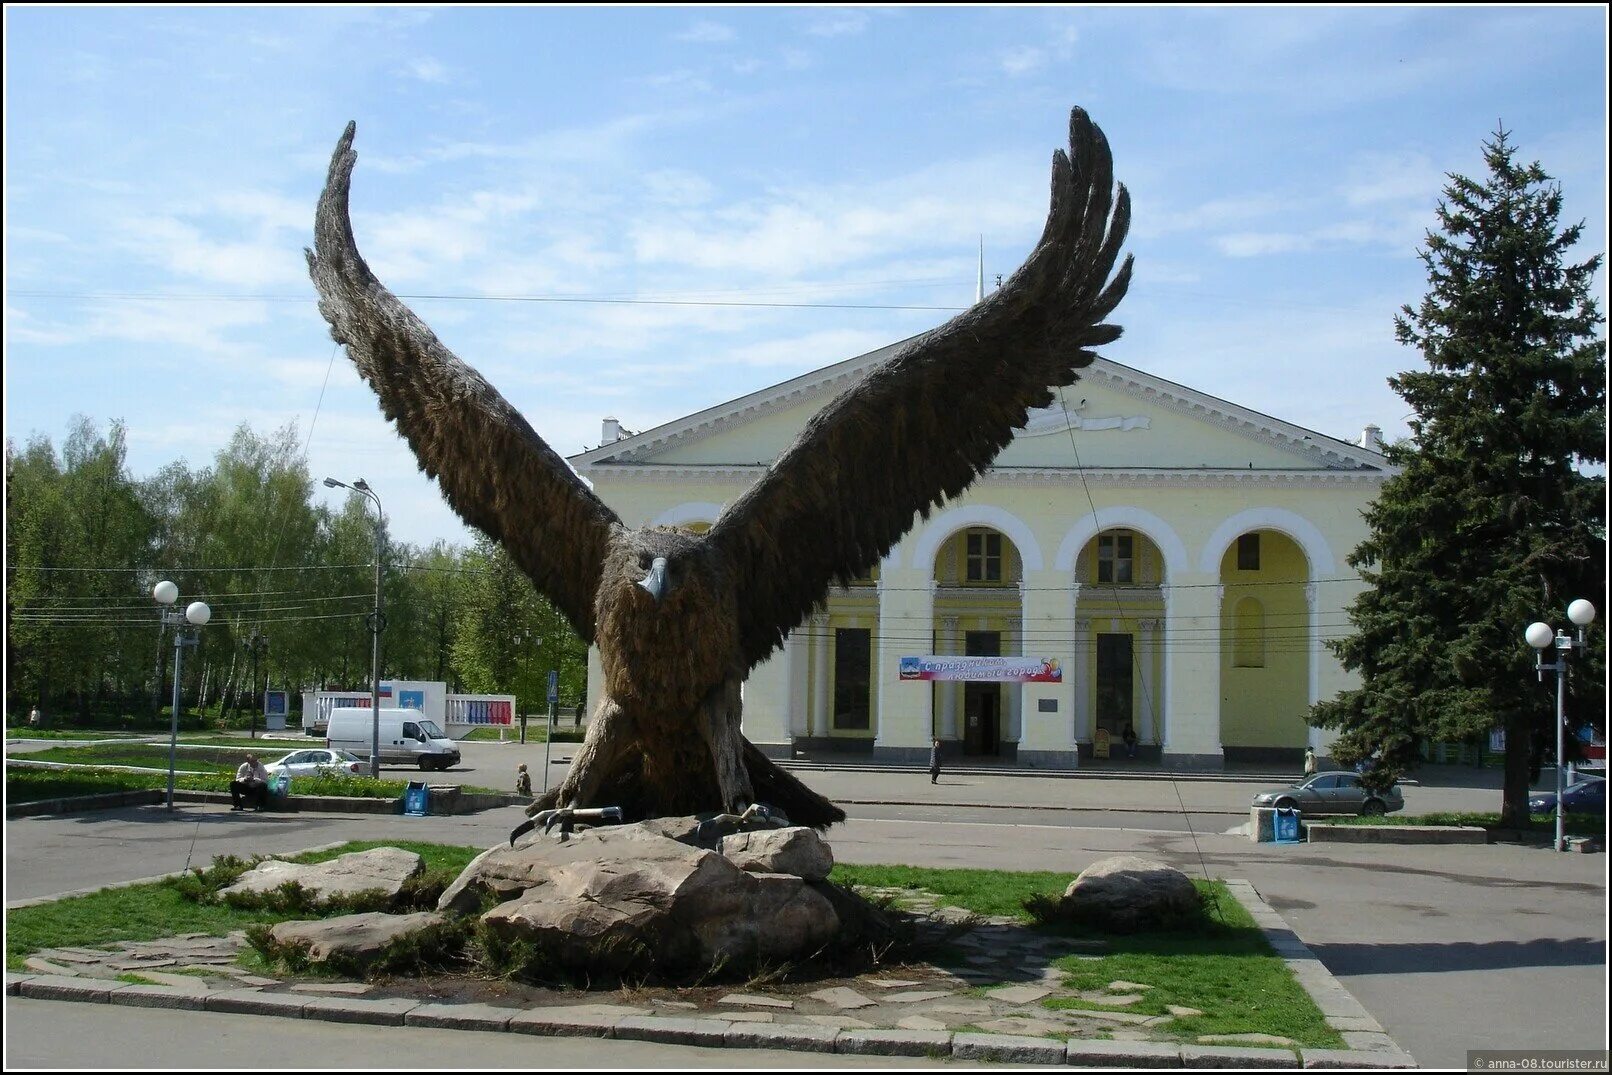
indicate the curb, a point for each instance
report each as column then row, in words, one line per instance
column 468, row 803
column 1370, row 1047
column 1321, row 832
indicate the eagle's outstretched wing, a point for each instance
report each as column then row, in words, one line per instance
column 495, row 471
column 921, row 427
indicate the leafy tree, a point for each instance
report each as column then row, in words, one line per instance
column 510, row 636
column 1492, row 522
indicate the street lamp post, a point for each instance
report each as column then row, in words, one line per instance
column 377, row 624
column 257, row 644
column 1541, row 637
column 196, row 614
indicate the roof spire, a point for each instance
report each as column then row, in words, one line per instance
column 979, row 288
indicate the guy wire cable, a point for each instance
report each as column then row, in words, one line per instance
column 1147, row 700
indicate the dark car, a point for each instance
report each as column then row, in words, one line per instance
column 1333, row 793
column 1587, row 796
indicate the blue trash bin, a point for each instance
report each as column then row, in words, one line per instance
column 417, row 799
column 1287, row 826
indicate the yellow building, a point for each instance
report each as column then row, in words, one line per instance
column 1180, row 557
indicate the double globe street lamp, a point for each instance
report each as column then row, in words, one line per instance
column 1541, row 637
column 196, row 614
column 377, row 624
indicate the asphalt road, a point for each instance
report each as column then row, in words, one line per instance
column 1451, row 948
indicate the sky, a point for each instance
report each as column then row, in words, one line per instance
column 758, row 192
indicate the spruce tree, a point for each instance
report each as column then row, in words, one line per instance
column 1493, row 522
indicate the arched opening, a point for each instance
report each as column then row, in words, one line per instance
column 1119, row 644
column 1265, row 642
column 978, row 572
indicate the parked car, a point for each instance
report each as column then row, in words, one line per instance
column 1586, row 796
column 313, row 762
column 1333, row 793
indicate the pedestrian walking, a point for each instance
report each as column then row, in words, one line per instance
column 1309, row 762
column 934, row 763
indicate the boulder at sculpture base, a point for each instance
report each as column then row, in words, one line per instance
column 1127, row 893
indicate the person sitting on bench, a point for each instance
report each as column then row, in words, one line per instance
column 252, row 781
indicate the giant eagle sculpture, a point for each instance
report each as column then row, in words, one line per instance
column 680, row 618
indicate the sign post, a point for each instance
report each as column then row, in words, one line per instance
column 548, row 740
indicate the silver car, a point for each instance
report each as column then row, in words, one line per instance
column 1333, row 793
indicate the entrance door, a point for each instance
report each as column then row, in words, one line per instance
column 982, row 702
column 1114, row 685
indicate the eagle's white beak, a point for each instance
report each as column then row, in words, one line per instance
column 655, row 581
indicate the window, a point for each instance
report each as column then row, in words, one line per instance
column 1115, row 557
column 411, row 730
column 984, row 556
column 1248, row 552
column 852, row 662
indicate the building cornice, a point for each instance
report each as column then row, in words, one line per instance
column 1152, row 477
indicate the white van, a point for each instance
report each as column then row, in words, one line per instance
column 407, row 737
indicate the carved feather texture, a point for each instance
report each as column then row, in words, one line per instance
column 919, row 429
column 914, row 433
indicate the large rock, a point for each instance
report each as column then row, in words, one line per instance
column 353, row 941
column 1128, row 893
column 504, row 873
column 385, row 869
column 799, row 851
column 673, row 913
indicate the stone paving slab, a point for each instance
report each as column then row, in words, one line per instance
column 160, row 996
column 1008, row 1049
column 794, row 1037
column 459, row 1017
column 60, row 987
column 756, row 1001
column 894, row 1042
column 1028, row 1033
column 389, row 1011
column 256, row 1002
column 1122, row 1054
column 564, row 1022
column 1237, row 1058
column 676, row 1030
column 1353, row 1059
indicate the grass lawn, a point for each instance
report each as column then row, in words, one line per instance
column 141, row 755
column 154, row 911
column 1228, row 972
column 25, row 732
column 25, row 785
column 1225, row 970
column 985, row 892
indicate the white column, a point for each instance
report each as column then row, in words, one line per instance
column 948, row 691
column 1080, row 676
column 1046, row 737
column 905, row 711
column 1148, row 732
column 1312, row 602
column 822, row 658
column 1192, row 663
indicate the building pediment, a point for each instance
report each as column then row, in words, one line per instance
column 1114, row 418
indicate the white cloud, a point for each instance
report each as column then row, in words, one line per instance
column 426, row 69
column 812, row 351
column 706, row 33
column 1022, row 60
column 838, row 23
column 185, row 250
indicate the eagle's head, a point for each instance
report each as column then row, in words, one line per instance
column 666, row 612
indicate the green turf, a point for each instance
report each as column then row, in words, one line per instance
column 985, row 892
column 1576, row 824
column 158, row 910
column 141, row 755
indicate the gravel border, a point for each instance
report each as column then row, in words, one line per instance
column 1370, row 1047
